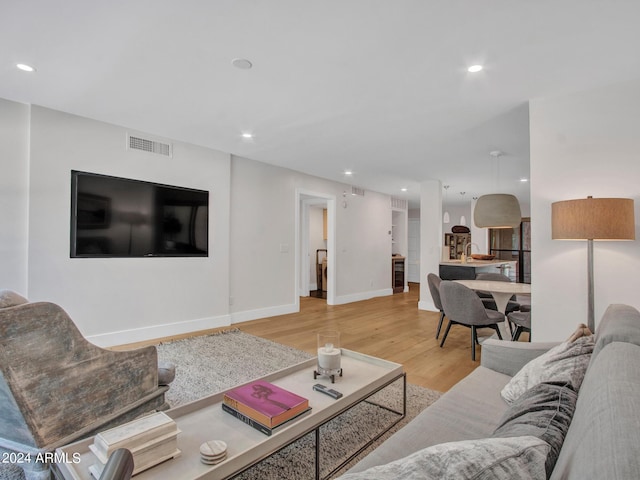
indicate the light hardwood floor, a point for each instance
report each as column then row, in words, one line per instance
column 389, row 327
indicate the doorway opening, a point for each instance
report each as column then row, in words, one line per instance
column 320, row 263
column 316, row 246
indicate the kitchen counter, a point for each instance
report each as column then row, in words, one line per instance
column 456, row 270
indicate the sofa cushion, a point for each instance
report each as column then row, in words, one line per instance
column 9, row 298
column 603, row 439
column 469, row 410
column 620, row 323
column 545, row 412
column 565, row 363
column 483, row 459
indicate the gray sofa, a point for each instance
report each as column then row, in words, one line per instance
column 603, row 438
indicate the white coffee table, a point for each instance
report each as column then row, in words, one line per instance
column 204, row 420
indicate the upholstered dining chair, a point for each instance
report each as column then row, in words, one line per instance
column 434, row 287
column 462, row 306
column 522, row 322
column 487, row 298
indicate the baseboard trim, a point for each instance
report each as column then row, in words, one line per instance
column 356, row 297
column 134, row 335
column 247, row 315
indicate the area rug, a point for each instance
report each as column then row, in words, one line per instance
column 213, row 363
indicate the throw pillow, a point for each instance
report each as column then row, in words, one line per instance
column 565, row 364
column 545, row 411
column 484, row 459
column 11, row 299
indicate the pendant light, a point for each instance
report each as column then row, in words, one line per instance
column 497, row 210
column 463, row 220
column 445, row 217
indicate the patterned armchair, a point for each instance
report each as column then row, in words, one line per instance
column 57, row 387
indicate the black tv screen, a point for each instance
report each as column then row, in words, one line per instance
column 120, row 217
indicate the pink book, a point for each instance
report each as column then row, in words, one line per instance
column 265, row 402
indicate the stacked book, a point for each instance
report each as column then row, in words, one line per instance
column 263, row 405
column 151, row 440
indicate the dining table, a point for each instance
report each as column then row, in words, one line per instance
column 500, row 291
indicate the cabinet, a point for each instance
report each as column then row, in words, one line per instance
column 397, row 273
column 456, row 243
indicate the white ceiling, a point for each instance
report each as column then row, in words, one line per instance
column 376, row 86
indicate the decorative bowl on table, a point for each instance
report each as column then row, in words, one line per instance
column 482, row 256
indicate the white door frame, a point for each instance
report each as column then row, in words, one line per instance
column 305, row 198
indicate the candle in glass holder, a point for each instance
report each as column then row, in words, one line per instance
column 329, row 352
column 329, row 357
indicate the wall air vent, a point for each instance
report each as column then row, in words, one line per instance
column 357, row 191
column 399, row 203
column 135, row 142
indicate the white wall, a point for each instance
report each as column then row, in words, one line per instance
column 252, row 244
column 262, row 277
column 119, row 300
column 582, row 144
column 14, row 195
column 455, row 212
column 431, row 237
column 479, row 235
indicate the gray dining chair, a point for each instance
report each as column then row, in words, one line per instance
column 462, row 306
column 522, row 323
column 434, row 287
column 487, row 298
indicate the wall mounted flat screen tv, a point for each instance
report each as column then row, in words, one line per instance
column 120, row 217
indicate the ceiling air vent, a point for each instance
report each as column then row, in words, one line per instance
column 146, row 145
column 357, row 191
column 399, row 203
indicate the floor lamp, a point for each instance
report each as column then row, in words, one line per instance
column 593, row 219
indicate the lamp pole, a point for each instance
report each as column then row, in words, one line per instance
column 590, row 310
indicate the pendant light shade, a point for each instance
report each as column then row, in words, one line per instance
column 498, row 210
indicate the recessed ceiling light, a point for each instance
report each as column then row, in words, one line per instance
column 348, row 172
column 25, row 68
column 403, row 189
column 524, row 179
column 241, row 63
column 247, row 135
column 474, row 68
